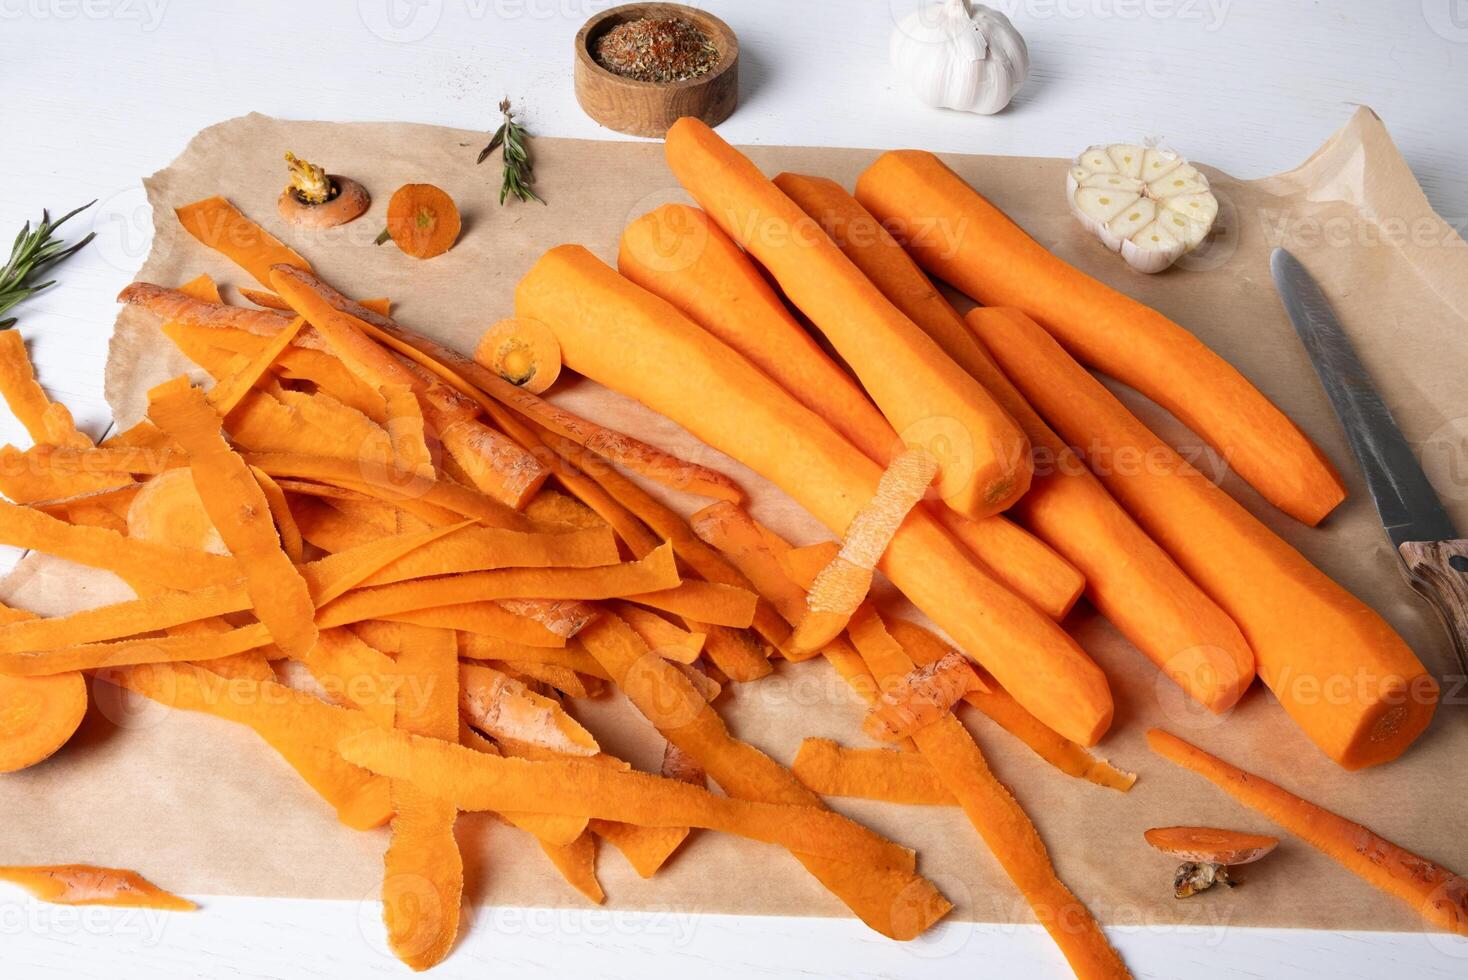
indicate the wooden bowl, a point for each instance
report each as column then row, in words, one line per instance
column 649, row 108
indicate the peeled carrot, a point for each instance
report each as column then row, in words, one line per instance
column 895, row 902
column 676, row 253
column 239, row 509
column 617, row 334
column 998, row 818
column 1130, row 580
column 85, row 884
column 1440, row 896
column 984, row 458
column 423, row 878
column 989, row 257
column 1308, row 634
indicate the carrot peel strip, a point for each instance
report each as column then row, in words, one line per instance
column 921, row 697
column 84, row 884
column 872, row 774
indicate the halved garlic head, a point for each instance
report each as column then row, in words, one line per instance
column 1147, row 203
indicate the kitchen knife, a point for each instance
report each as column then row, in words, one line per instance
column 1434, row 558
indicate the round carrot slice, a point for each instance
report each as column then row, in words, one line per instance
column 522, row 351
column 37, row 716
column 1208, row 845
column 168, row 510
column 422, row 220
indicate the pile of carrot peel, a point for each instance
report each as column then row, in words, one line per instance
column 405, row 570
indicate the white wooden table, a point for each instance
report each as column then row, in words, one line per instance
column 98, row 93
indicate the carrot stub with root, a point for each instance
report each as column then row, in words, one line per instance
column 1207, row 854
column 1440, row 896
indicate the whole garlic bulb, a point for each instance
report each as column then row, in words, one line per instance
column 960, row 55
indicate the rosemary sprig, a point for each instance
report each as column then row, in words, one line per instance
column 519, row 173
column 33, row 252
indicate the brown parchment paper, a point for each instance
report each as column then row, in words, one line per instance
column 203, row 807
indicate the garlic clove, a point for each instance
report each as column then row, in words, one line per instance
column 1158, row 162
column 1101, row 204
column 1130, row 220
column 1147, row 203
column 1128, row 158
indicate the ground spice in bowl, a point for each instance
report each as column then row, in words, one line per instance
column 656, row 49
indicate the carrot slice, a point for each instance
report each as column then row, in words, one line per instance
column 480, row 782
column 1210, row 845
column 220, row 225
column 490, row 391
column 524, row 352
column 1306, row 631
column 239, row 509
column 678, row 254
column 921, row 697
column 38, row 715
column 984, row 458
column 1439, row 895
column 607, row 582
column 423, row 879
column 85, row 884
column 870, row 774
column 616, row 334
column 503, row 707
column 998, row 818
column 304, row 729
column 985, row 254
column 842, row 585
column 1001, row 707
column 896, row 903
column 422, row 220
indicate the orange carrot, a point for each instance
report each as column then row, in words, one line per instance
column 85, row 884
column 617, row 334
column 984, row 457
column 1439, row 895
column 1128, row 577
column 1308, row 634
column 677, row 254
column 988, row 256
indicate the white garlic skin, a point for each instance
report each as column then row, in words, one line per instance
column 960, row 55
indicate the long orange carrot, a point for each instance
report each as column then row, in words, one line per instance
column 1129, row 578
column 959, row 236
column 678, row 254
column 1336, row 666
column 928, row 399
column 616, row 333
column 1439, row 895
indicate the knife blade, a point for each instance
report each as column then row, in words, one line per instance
column 1409, row 506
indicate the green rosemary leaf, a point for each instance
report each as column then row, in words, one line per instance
column 519, row 173
column 33, row 252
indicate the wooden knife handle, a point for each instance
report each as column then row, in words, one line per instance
column 1438, row 571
